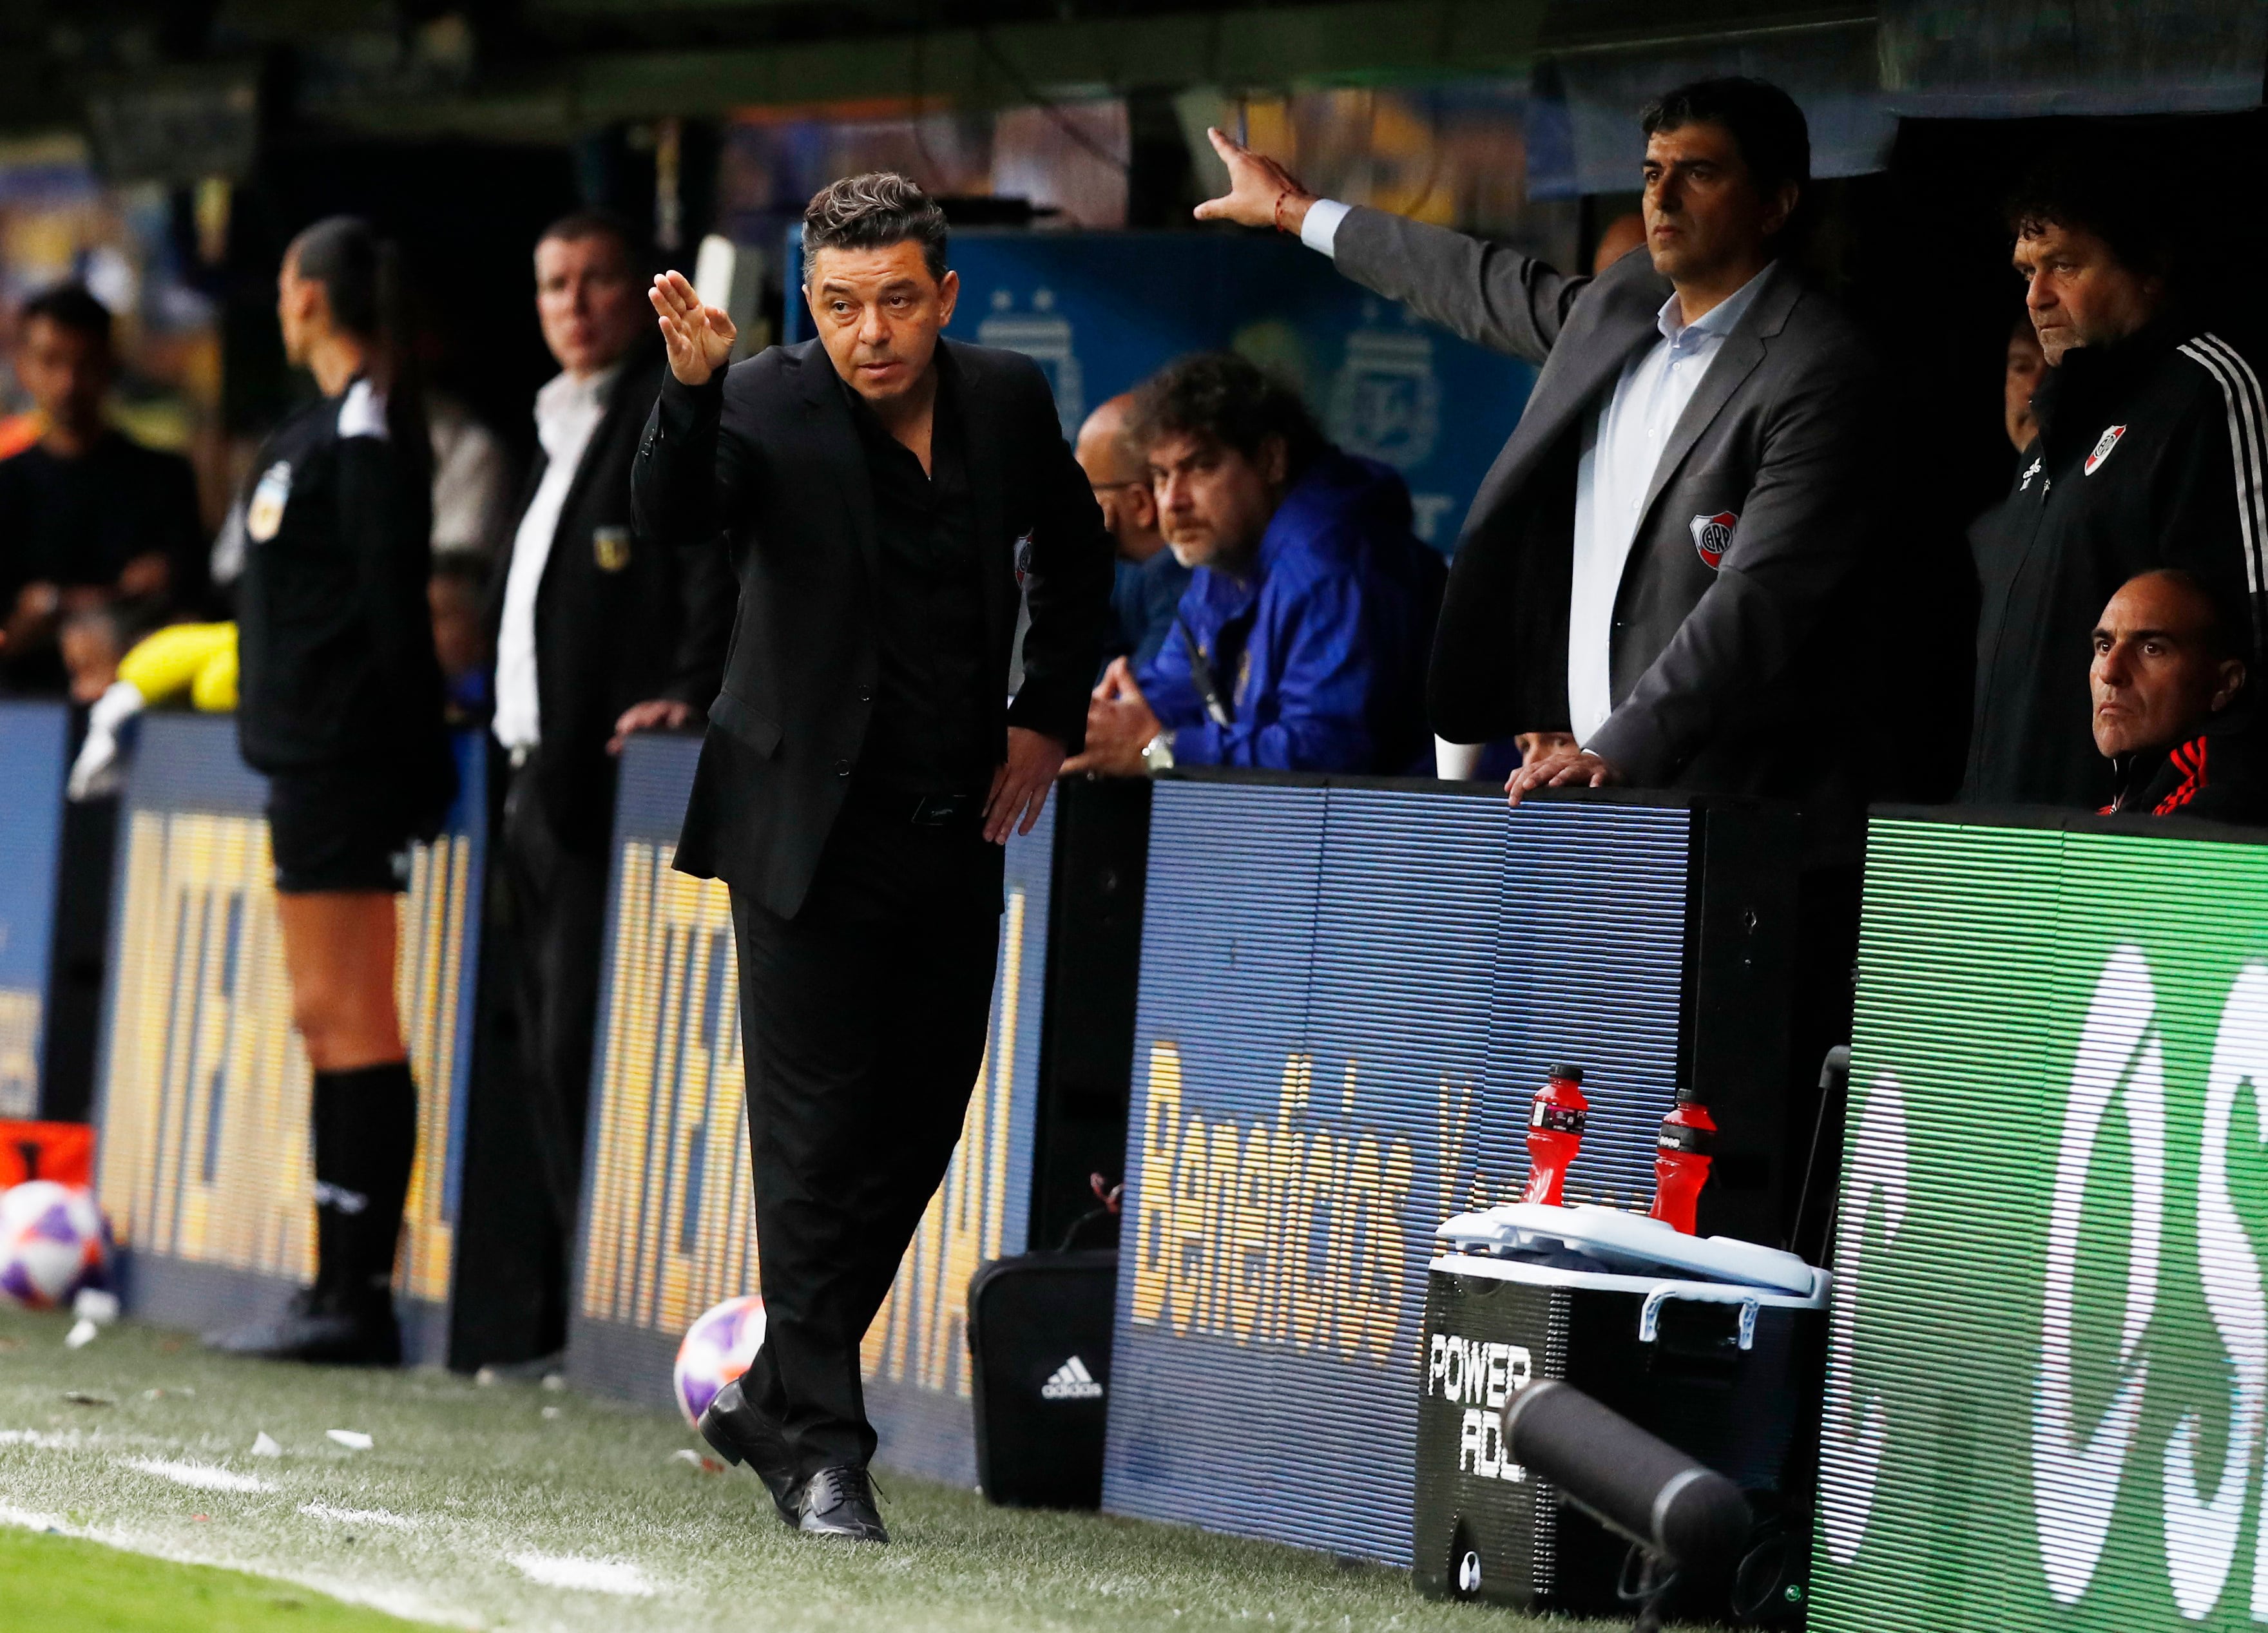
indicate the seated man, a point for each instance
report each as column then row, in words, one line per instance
column 1301, row 641
column 2165, row 683
column 89, row 518
column 1151, row 578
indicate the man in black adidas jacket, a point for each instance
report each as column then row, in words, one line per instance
column 2170, row 713
column 2149, row 455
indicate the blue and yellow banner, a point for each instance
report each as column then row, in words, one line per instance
column 1348, row 996
column 34, row 737
column 203, row 1092
column 668, row 1226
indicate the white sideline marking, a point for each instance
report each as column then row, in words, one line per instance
column 593, row 1576
column 403, row 1602
column 27, row 1520
column 201, row 1476
column 38, row 1440
column 358, row 1516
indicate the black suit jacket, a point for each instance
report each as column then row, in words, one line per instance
column 769, row 456
column 1731, row 658
column 618, row 621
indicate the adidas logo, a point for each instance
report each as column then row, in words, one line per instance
column 1072, row 1382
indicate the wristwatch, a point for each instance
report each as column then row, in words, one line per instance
column 1158, row 754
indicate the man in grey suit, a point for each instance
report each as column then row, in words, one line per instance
column 1654, row 577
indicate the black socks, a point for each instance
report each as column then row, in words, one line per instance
column 365, row 1134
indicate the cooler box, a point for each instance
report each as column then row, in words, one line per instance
column 1650, row 1323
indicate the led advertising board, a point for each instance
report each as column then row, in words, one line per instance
column 2048, row 1378
column 32, row 740
column 205, row 1161
column 668, row 1227
column 1349, row 996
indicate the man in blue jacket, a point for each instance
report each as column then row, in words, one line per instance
column 1301, row 641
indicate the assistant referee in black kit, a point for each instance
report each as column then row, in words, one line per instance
column 341, row 708
column 882, row 492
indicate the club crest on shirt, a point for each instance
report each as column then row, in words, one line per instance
column 610, row 546
column 264, row 513
column 1713, row 535
column 2103, row 448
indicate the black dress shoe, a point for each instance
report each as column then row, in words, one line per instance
column 839, row 1501
column 320, row 1327
column 740, row 1433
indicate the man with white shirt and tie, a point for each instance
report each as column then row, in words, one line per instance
column 1655, row 585
column 595, row 639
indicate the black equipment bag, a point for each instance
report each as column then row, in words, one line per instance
column 1038, row 1346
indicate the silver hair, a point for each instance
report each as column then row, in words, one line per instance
column 874, row 211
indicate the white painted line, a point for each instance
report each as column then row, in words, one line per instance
column 358, row 1516
column 28, row 1521
column 591, row 1575
column 201, row 1476
column 39, row 1438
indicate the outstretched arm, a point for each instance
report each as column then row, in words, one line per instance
column 1492, row 296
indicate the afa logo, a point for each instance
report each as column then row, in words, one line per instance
column 1713, row 535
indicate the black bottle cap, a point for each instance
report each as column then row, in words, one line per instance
column 1561, row 1068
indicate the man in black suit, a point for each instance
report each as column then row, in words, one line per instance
column 596, row 636
column 882, row 493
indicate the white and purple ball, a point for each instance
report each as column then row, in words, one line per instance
column 53, row 1242
column 717, row 1348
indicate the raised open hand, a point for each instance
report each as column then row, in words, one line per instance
column 1261, row 192
column 699, row 338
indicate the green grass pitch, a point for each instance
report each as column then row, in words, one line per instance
column 512, row 1506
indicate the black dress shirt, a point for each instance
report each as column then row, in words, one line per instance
column 930, row 712
column 79, row 521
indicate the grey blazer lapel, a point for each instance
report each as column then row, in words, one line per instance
column 837, row 445
column 1729, row 371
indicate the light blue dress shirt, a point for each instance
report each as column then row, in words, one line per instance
column 1622, row 446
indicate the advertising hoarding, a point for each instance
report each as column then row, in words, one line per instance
column 2048, row 1378
column 1349, row 995
column 33, row 740
column 204, row 1089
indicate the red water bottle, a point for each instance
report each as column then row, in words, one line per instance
column 1681, row 1161
column 1555, row 1133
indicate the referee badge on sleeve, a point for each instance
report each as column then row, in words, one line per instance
column 265, row 513
column 611, row 548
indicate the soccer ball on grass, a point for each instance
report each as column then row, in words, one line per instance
column 53, row 1242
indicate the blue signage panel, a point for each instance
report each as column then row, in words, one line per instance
column 667, row 1226
column 34, row 737
column 202, row 1095
column 1349, row 995
column 1101, row 312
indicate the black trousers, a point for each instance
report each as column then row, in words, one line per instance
column 864, row 1020
column 559, row 918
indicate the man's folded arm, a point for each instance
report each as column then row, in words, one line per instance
column 1491, row 295
column 1801, row 536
